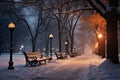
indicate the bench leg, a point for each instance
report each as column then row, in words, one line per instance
column 39, row 62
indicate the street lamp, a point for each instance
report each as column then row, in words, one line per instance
column 51, row 37
column 66, row 45
column 21, row 48
column 11, row 27
column 100, row 36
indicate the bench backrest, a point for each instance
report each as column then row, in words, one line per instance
column 32, row 54
column 59, row 55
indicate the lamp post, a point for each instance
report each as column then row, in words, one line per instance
column 11, row 27
column 101, row 44
column 21, row 48
column 51, row 37
column 66, row 45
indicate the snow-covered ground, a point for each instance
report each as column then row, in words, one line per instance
column 84, row 67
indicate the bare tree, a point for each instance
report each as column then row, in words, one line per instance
column 72, row 23
column 36, row 11
column 59, row 10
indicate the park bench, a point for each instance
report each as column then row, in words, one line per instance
column 34, row 58
column 73, row 54
column 60, row 55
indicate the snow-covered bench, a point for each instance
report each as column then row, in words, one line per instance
column 34, row 58
column 60, row 55
column 73, row 54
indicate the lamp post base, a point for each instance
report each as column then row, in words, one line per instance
column 10, row 67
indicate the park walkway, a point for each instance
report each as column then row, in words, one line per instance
column 68, row 69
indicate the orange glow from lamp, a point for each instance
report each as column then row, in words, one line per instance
column 100, row 36
column 96, row 46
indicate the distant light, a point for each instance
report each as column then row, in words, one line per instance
column 38, row 49
column 44, row 49
column 75, row 46
column 66, row 43
column 79, row 48
column 22, row 46
column 51, row 36
column 96, row 46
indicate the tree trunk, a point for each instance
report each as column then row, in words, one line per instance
column 71, row 46
column 59, row 42
column 103, row 48
column 47, row 48
column 59, row 35
column 33, row 46
column 112, row 38
column 0, row 47
column 111, row 15
column 0, row 51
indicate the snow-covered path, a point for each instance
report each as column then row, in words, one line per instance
column 67, row 69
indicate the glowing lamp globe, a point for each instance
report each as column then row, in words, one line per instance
column 66, row 42
column 51, row 36
column 100, row 36
column 11, row 26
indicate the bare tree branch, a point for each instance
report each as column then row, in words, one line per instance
column 102, row 4
column 95, row 6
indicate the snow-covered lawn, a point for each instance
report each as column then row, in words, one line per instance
column 85, row 67
column 104, row 71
